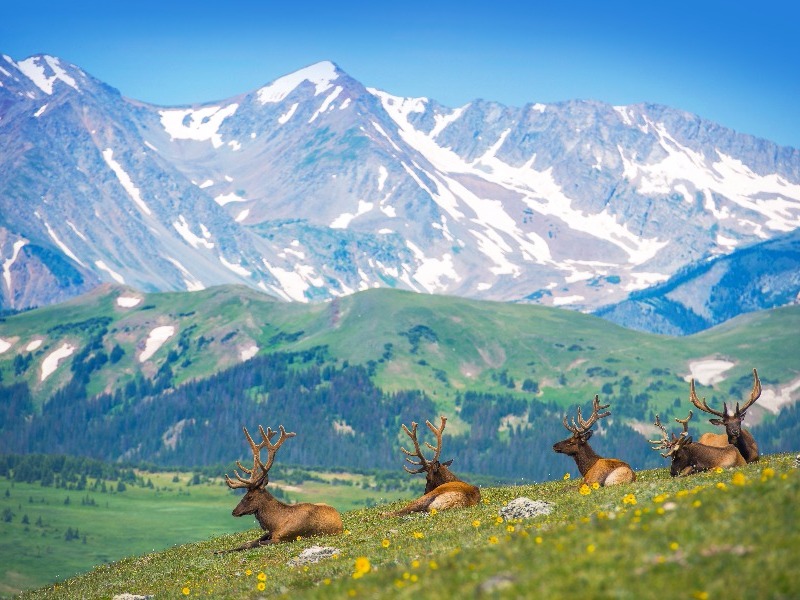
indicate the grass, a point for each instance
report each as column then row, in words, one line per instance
column 729, row 534
column 113, row 525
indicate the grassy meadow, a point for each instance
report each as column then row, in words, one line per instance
column 52, row 533
column 721, row 534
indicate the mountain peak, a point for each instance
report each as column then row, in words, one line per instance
column 44, row 70
column 321, row 74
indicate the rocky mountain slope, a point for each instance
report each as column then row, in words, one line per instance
column 315, row 186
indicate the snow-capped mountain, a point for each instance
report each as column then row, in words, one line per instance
column 315, row 186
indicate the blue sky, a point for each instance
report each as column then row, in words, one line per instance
column 736, row 63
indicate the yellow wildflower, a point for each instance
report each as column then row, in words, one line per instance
column 697, row 504
column 674, row 546
column 248, row 572
column 538, row 539
column 262, row 576
column 700, row 595
column 414, row 577
column 718, row 470
column 595, row 485
column 433, row 565
column 476, row 523
column 385, row 543
column 585, row 490
column 433, row 511
column 629, row 499
column 590, row 548
column 261, row 586
column 767, row 473
column 721, row 485
column 415, row 564
column 566, row 476
column 362, row 566
column 418, row 535
column 186, row 591
column 510, row 528
column 738, row 478
column 327, row 581
column 498, row 520
column 493, row 539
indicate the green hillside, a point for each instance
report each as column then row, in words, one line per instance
column 438, row 344
column 704, row 536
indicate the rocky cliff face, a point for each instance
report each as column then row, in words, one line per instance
column 315, row 186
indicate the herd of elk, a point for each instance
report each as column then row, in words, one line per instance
column 593, row 467
column 689, row 457
column 444, row 490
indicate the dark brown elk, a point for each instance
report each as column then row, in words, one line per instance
column 443, row 489
column 732, row 421
column 593, row 467
column 689, row 457
column 282, row 522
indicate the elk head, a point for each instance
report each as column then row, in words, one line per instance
column 582, row 430
column 436, row 473
column 731, row 420
column 676, row 448
column 258, row 476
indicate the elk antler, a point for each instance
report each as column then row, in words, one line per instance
column 423, row 463
column 258, row 473
column 677, row 441
column 704, row 406
column 583, row 426
column 754, row 395
column 685, row 423
column 664, row 442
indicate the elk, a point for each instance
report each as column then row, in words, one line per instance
column 282, row 522
column 443, row 489
column 593, row 467
column 732, row 421
column 690, row 457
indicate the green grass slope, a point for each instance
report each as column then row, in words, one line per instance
column 442, row 345
column 730, row 534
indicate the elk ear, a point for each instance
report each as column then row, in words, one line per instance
column 716, row 421
column 585, row 437
column 448, row 463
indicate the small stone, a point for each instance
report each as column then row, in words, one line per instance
column 312, row 555
column 127, row 596
column 525, row 508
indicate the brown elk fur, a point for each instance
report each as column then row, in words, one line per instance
column 282, row 522
column 443, row 490
column 593, row 467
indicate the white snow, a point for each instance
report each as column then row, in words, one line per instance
column 235, row 145
column 382, row 175
column 125, row 180
column 326, row 103
column 343, row 220
column 320, row 74
column 128, row 301
column 774, row 398
column 442, row 121
column 432, row 273
column 9, row 262
column 564, row 300
column 539, row 107
column 293, row 284
column 155, row 340
column 51, row 361
column 4, row 345
column 195, row 241
column 284, row 118
column 248, row 353
column 35, row 71
column 236, row 268
column 224, row 199
column 192, row 283
column 33, row 345
column 114, row 275
column 40, row 112
column 200, row 124
column 206, row 183
column 64, row 248
column 640, row 281
column 344, row 104
column 242, row 215
column 77, row 232
column 708, row 372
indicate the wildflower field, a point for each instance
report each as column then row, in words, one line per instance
column 721, row 534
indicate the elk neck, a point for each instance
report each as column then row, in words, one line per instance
column 270, row 510
column 585, row 458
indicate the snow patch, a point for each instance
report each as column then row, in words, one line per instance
column 248, row 353
column 192, row 283
column 9, row 262
column 35, row 71
column 182, row 227
column 326, row 103
column 64, row 248
column 4, row 345
column 114, row 275
column 206, row 183
column 242, row 215
column 320, row 74
column 40, row 112
column 128, row 301
column 155, row 340
column 708, row 372
column 125, row 180
column 343, row 220
column 236, row 268
column 382, row 175
column 34, row 344
column 284, row 118
column 224, row 199
column 201, row 124
column 51, row 361
column 775, row 398
column 564, row 300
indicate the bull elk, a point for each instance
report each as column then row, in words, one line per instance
column 732, row 421
column 593, row 467
column 689, row 457
column 282, row 522
column 443, row 489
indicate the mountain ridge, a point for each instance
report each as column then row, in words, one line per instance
column 315, row 186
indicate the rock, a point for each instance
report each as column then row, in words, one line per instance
column 525, row 508
column 312, row 555
column 127, row 596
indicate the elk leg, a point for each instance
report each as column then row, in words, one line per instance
column 262, row 541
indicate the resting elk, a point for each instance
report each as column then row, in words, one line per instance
column 282, row 522
column 443, row 489
column 689, row 457
column 593, row 467
column 732, row 421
